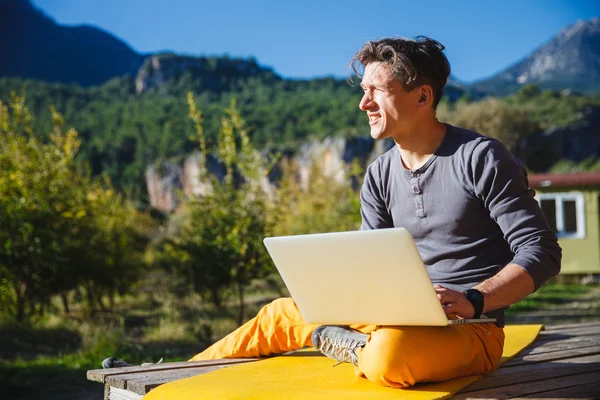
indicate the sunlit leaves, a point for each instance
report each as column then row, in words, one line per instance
column 220, row 243
column 59, row 229
column 492, row 117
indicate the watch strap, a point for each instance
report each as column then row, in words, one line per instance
column 475, row 297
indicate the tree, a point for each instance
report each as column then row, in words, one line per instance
column 492, row 117
column 325, row 204
column 52, row 237
column 530, row 90
column 220, row 245
column 38, row 208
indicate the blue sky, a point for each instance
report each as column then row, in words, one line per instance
column 308, row 38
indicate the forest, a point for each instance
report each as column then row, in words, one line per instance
column 121, row 131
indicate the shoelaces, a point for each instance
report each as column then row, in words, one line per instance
column 343, row 350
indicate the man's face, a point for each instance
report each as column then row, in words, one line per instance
column 391, row 109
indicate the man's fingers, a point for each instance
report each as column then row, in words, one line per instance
column 441, row 289
column 449, row 308
column 453, row 302
column 441, row 293
column 446, row 296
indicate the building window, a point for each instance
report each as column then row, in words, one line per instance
column 565, row 213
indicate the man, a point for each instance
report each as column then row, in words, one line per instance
column 466, row 201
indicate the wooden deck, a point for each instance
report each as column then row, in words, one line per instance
column 563, row 363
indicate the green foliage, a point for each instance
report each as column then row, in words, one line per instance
column 491, row 117
column 568, row 166
column 58, row 228
column 550, row 108
column 529, row 91
column 219, row 247
column 326, row 204
column 122, row 132
column 60, row 374
column 549, row 296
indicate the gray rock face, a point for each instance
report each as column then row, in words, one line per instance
column 162, row 186
column 576, row 142
column 334, row 155
column 569, row 60
column 200, row 73
column 158, row 69
column 540, row 152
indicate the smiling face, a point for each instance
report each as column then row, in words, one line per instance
column 392, row 111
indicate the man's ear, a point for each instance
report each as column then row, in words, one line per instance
column 425, row 94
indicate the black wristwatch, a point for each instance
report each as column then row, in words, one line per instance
column 476, row 298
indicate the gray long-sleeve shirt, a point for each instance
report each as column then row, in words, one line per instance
column 469, row 209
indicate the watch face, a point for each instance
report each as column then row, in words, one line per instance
column 473, row 294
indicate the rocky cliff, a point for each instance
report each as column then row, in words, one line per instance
column 165, row 185
column 576, row 143
column 215, row 74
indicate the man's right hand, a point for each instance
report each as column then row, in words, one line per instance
column 454, row 303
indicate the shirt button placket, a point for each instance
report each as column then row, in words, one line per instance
column 418, row 194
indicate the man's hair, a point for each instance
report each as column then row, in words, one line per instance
column 413, row 62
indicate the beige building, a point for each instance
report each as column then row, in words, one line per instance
column 570, row 203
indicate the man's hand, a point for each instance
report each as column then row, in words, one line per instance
column 511, row 285
column 454, row 303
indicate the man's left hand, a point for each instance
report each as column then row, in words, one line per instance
column 454, row 303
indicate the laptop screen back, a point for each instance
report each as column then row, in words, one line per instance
column 359, row 277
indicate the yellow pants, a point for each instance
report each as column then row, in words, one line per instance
column 393, row 356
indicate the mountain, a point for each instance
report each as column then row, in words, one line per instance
column 135, row 114
column 176, row 74
column 454, row 81
column 34, row 46
column 570, row 60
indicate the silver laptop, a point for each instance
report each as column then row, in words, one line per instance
column 359, row 277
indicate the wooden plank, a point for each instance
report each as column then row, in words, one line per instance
column 100, row 375
column 574, row 344
column 569, row 326
column 582, row 331
column 122, row 394
column 143, row 387
column 553, row 356
column 590, row 391
column 121, row 380
column 534, row 387
column 557, row 336
column 527, row 373
column 562, row 344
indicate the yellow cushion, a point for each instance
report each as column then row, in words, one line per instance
column 307, row 374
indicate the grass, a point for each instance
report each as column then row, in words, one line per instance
column 552, row 296
column 56, row 378
column 52, row 355
column 58, row 370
